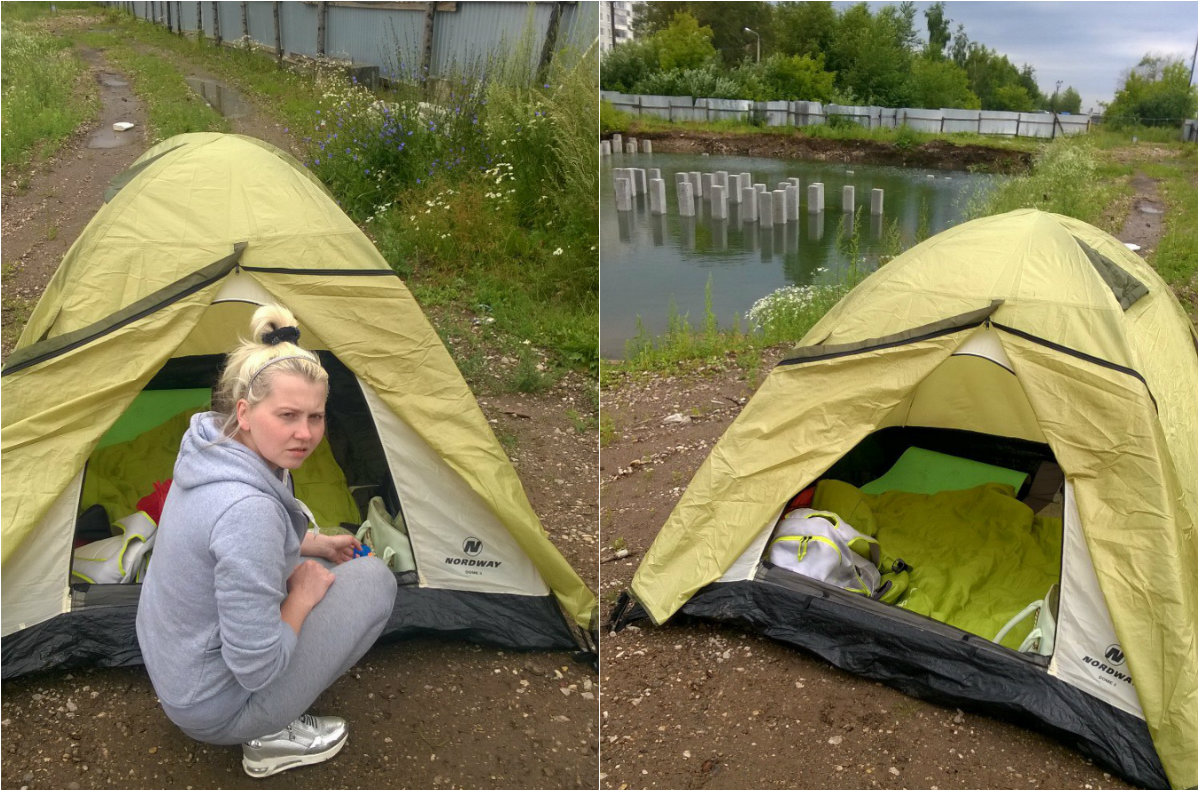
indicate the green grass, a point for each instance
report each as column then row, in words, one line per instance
column 1067, row 178
column 172, row 108
column 289, row 93
column 47, row 92
column 522, row 254
column 1176, row 255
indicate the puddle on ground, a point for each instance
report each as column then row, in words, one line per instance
column 107, row 137
column 220, row 97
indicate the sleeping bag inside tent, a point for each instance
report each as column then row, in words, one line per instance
column 974, row 480
column 127, row 343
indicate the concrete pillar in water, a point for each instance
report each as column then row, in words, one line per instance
column 639, row 180
column 779, row 205
column 816, row 197
column 631, row 147
column 658, row 197
column 876, row 201
column 794, row 181
column 653, row 173
column 694, row 176
column 793, row 202
column 760, row 187
column 605, row 148
column 848, row 198
column 734, row 189
column 623, row 187
column 766, row 209
column 619, row 173
column 687, row 203
column 722, row 178
column 745, row 180
column 646, row 147
column 706, row 184
column 617, row 144
column 717, row 204
column 749, row 205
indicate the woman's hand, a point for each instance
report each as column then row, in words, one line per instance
column 306, row 587
column 337, row 548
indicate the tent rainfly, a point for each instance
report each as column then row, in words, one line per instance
column 127, row 341
column 1009, row 407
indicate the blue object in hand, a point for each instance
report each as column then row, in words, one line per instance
column 362, row 551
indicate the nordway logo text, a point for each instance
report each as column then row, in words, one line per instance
column 1102, row 666
column 471, row 562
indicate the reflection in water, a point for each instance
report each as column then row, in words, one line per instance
column 816, row 226
column 658, row 229
column 647, row 261
column 220, row 97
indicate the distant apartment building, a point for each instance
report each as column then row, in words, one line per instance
column 616, row 23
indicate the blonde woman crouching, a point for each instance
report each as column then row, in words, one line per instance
column 239, row 635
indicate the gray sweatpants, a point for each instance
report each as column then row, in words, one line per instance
column 337, row 632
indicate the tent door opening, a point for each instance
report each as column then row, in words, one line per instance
column 956, row 526
column 136, row 456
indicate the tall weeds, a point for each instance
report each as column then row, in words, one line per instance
column 480, row 189
column 45, row 95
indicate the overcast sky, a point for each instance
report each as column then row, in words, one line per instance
column 1087, row 45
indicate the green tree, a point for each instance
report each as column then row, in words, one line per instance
column 1157, row 92
column 805, row 28
column 1069, row 101
column 870, row 54
column 998, row 84
column 792, row 77
column 727, row 21
column 936, row 83
column 1011, row 96
column 627, row 64
column 684, row 44
column 938, row 26
column 1066, row 102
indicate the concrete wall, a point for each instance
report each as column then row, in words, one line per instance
column 797, row 113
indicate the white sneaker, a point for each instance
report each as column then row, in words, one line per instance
column 306, row 740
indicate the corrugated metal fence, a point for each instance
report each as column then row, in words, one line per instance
column 438, row 39
column 781, row 113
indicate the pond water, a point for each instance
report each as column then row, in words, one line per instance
column 650, row 262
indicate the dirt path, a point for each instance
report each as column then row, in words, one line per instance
column 697, row 705
column 424, row 714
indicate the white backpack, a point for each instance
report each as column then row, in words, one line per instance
column 817, row 544
column 122, row 558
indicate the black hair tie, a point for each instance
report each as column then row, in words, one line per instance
column 279, row 335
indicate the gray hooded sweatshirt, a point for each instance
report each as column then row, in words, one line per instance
column 208, row 620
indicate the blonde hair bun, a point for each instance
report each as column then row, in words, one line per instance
column 251, row 367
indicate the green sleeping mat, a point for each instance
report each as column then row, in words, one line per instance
column 121, row 473
column 978, row 555
column 924, row 471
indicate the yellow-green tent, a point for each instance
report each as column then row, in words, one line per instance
column 1030, row 342
column 201, row 230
